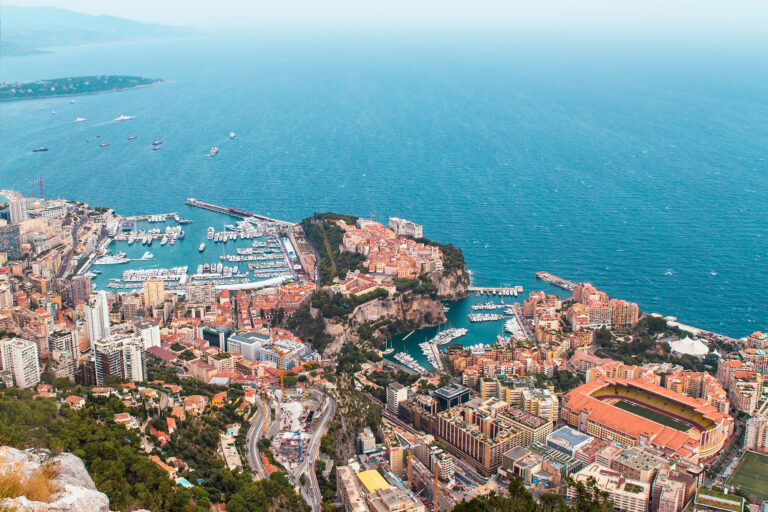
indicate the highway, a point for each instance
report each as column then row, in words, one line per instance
column 309, row 490
column 252, row 439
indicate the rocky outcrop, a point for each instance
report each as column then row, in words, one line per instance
column 451, row 284
column 406, row 312
column 71, row 486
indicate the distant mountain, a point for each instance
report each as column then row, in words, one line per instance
column 27, row 30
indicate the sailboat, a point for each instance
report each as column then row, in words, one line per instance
column 389, row 349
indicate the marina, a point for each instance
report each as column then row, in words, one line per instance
column 485, row 317
column 512, row 291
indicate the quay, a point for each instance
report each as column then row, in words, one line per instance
column 557, row 281
column 153, row 217
column 436, row 352
column 496, row 290
column 232, row 212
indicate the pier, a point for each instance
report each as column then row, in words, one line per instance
column 496, row 290
column 557, row 281
column 436, row 352
column 232, row 212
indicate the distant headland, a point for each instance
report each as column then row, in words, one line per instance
column 71, row 86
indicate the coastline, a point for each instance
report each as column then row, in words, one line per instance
column 159, row 81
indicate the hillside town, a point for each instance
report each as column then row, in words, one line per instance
column 582, row 389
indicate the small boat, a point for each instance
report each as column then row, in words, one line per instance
column 156, row 148
column 214, row 151
column 79, row 119
column 202, row 247
column 131, row 137
column 157, row 143
column 123, row 118
column 231, row 135
column 164, row 240
column 38, row 150
column 103, row 145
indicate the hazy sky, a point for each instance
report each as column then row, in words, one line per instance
column 722, row 16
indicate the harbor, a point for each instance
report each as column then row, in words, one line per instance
column 247, row 253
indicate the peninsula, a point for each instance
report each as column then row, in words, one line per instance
column 71, row 86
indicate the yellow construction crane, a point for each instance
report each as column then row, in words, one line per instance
column 281, row 355
column 410, row 484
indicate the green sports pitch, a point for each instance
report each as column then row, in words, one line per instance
column 654, row 416
column 752, row 475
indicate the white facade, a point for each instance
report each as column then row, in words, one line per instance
column 756, row 433
column 396, row 393
column 18, row 210
column 149, row 332
column 20, row 357
column 97, row 318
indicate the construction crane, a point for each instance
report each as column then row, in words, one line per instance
column 372, row 216
column 298, row 433
column 40, row 181
column 281, row 355
column 410, row 484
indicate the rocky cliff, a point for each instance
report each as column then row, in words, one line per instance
column 405, row 312
column 451, row 284
column 57, row 484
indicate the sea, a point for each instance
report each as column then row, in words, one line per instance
column 635, row 163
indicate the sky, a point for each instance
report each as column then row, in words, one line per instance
column 703, row 16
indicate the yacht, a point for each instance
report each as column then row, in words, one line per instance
column 210, row 233
column 157, row 143
column 202, row 247
column 214, row 151
column 231, row 135
column 79, row 119
column 123, row 118
column 38, row 150
column 131, row 137
column 164, row 240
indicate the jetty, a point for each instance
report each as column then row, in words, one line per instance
column 232, row 212
column 436, row 353
column 557, row 281
column 496, row 290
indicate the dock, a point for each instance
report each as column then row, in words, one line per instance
column 496, row 290
column 436, row 353
column 232, row 212
column 557, row 281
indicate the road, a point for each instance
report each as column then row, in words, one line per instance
column 252, row 439
column 309, row 490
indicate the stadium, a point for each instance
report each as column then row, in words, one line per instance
column 636, row 411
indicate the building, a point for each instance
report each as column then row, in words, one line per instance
column 690, row 347
column 623, row 313
column 10, row 240
column 668, row 494
column 149, row 333
column 707, row 500
column 627, row 494
column 80, row 289
column 533, row 428
column 394, row 499
column 756, row 433
column 63, row 353
column 451, row 396
column 19, row 357
column 200, row 292
column 18, row 210
column 568, row 441
column 348, row 490
column 403, row 227
column 365, row 441
column 541, row 402
column 269, row 345
column 479, row 435
column 396, row 393
column 154, row 292
column 638, row 464
column 97, row 318
column 120, row 356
